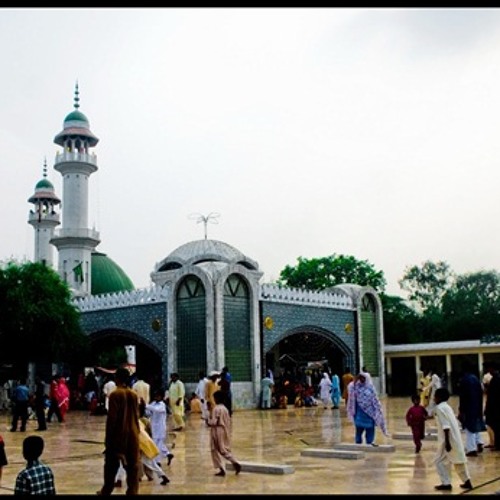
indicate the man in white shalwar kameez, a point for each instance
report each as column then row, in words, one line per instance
column 325, row 387
column 200, row 392
column 450, row 447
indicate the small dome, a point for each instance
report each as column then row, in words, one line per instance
column 76, row 116
column 44, row 191
column 44, row 184
column 200, row 251
column 76, row 124
column 108, row 276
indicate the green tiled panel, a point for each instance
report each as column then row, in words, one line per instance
column 370, row 341
column 237, row 342
column 191, row 337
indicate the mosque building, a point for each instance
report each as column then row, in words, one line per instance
column 207, row 307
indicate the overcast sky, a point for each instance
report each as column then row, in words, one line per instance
column 366, row 132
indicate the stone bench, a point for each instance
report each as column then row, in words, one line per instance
column 381, row 448
column 332, row 453
column 408, row 436
column 263, row 468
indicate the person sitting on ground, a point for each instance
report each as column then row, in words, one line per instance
column 36, row 478
column 195, row 404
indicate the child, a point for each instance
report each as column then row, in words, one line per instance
column 3, row 457
column 415, row 418
column 36, row 478
column 157, row 412
column 451, row 448
column 149, row 450
column 219, row 422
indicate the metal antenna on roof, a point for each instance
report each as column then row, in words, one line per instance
column 211, row 217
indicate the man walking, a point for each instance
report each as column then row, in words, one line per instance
column 122, row 436
column 176, row 393
column 470, row 410
column 20, row 399
column 40, row 400
column 200, row 392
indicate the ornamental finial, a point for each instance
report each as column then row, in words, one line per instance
column 77, row 99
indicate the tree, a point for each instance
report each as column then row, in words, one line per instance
column 427, row 284
column 400, row 320
column 38, row 322
column 325, row 272
column 471, row 306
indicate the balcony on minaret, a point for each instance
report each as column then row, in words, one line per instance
column 73, row 236
column 44, row 215
column 71, row 156
column 77, row 233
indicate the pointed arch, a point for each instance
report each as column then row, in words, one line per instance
column 191, row 337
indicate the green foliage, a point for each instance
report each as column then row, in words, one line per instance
column 325, row 272
column 471, row 306
column 443, row 306
column 37, row 320
column 112, row 357
column 426, row 284
column 400, row 320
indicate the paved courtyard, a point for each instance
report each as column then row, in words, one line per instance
column 273, row 437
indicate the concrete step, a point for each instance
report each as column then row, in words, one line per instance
column 263, row 468
column 332, row 453
column 407, row 436
column 381, row 448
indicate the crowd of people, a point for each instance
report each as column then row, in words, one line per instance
column 304, row 387
column 137, row 415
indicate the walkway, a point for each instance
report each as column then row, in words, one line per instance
column 274, row 437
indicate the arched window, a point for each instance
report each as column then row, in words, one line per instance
column 191, row 329
column 370, row 335
column 237, row 340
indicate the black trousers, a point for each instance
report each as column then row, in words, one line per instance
column 40, row 416
column 20, row 411
column 111, row 465
column 54, row 409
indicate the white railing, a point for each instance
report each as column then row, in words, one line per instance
column 77, row 233
column 35, row 216
column 76, row 156
column 275, row 293
column 268, row 292
column 142, row 296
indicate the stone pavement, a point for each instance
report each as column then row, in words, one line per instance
column 270, row 445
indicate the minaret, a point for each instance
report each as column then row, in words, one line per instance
column 44, row 218
column 75, row 241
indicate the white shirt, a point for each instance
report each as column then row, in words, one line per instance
column 142, row 389
column 107, row 389
column 446, row 419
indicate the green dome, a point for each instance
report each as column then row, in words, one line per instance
column 76, row 116
column 44, row 184
column 108, row 276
